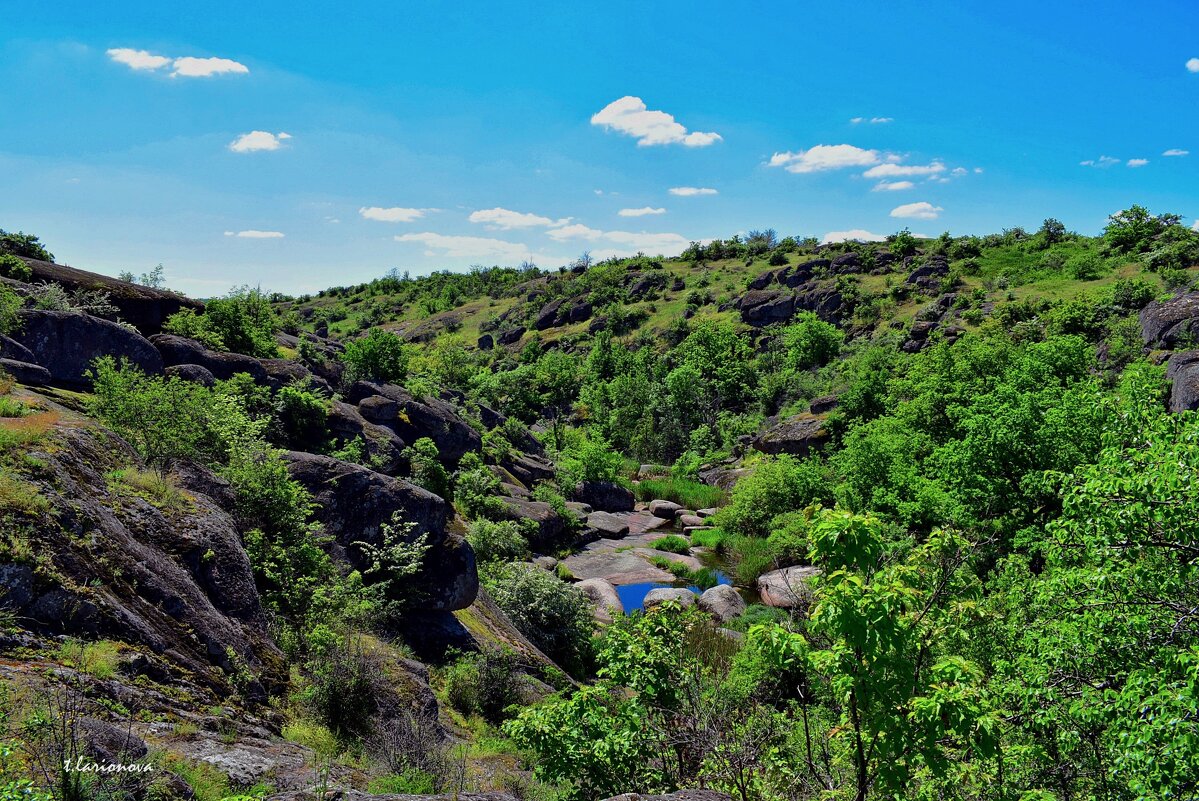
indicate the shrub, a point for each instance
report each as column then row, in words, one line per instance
column 303, row 416
column 12, row 267
column 245, row 321
column 186, row 323
column 426, row 470
column 788, row 538
column 590, row 458
column 754, row 556
column 343, row 691
column 1133, row 294
column 379, row 356
column 811, row 342
column 10, row 306
column 672, row 543
column 777, row 485
column 22, row 244
column 492, row 541
column 476, row 494
column 483, row 683
column 551, row 613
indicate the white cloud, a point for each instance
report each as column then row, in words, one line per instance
column 892, row 170
column 691, row 191
column 192, row 67
column 1137, row 162
column 1102, row 161
column 858, row 234
column 499, row 219
column 252, row 234
column 665, row 244
column 186, row 66
column 1174, row 151
column 892, row 186
column 1193, row 64
column 629, row 116
column 641, row 212
column 468, row 247
column 258, row 140
column 825, row 157
column 576, row 231
column 392, row 214
column 872, row 120
column 138, row 59
column 917, row 211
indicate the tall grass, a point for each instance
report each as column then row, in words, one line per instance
column 672, row 543
column 754, row 556
column 690, row 494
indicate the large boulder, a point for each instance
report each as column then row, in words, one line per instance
column 798, row 436
column 191, row 372
column 553, row 529
column 788, row 588
column 432, row 417
column 664, row 509
column 345, row 423
column 763, row 307
column 354, row 503
column 178, row 350
column 604, row 600
column 608, row 525
column 662, row 595
column 11, row 349
column 606, row 496
column 33, row 375
column 1166, row 323
column 722, row 602
column 67, row 342
column 1183, row 371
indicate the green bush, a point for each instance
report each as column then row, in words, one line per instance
column 811, row 342
column 426, row 468
column 753, row 556
column 483, row 683
column 344, row 688
column 302, row 416
column 10, row 306
column 551, row 613
column 497, row 541
column 13, row 267
column 186, row 323
column 777, row 485
column 788, row 538
column 379, row 356
column 672, row 543
column 22, row 244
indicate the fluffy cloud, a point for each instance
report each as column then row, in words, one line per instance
column 392, row 214
column 892, row 186
column 137, row 59
column 576, row 231
column 691, row 191
column 820, row 158
column 872, row 120
column 893, row 170
column 858, row 234
column 1102, row 161
column 1137, row 162
column 641, row 212
column 629, row 116
column 252, row 234
column 498, row 219
column 468, row 247
column 258, row 140
column 628, row 242
column 1193, row 64
column 186, row 66
column 917, row 211
column 1174, row 151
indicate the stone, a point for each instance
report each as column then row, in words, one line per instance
column 787, row 588
column 763, row 307
column 604, row 600
column 581, row 510
column 11, row 349
column 511, row 336
column 606, row 496
column 661, row 595
column 181, row 350
column 706, row 513
column 67, row 342
column 379, row 409
column 191, row 372
column 722, row 602
column 486, row 342
column 432, row 417
column 33, row 375
column 1182, row 370
column 552, row 528
column 823, row 404
column 798, row 436
column 1166, row 323
column 546, row 563
column 689, row 521
column 661, row 508
column 608, row 525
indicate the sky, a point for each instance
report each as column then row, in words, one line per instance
column 296, row 148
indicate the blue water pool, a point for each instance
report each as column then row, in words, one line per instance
column 632, row 596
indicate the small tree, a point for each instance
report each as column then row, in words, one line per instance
column 379, row 356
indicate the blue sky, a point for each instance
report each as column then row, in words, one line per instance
column 434, row 135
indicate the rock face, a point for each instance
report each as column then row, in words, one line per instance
column 223, row 366
column 191, row 372
column 430, row 417
column 1165, row 324
column 1183, row 371
column 352, row 503
column 763, row 307
column 608, row 525
column 664, row 509
column 33, row 375
column 606, row 496
column 799, row 436
column 722, row 602
column 787, row 588
column 346, row 423
column 553, row 530
column 604, row 599
column 661, row 595
column 66, row 343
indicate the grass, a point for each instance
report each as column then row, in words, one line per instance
column 754, row 556
column 153, row 487
column 97, row 659
column 18, row 431
column 689, row 494
column 311, row 734
column 671, row 544
column 704, row 578
column 11, row 407
column 712, row 538
column 21, row 498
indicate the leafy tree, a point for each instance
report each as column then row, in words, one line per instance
column 245, row 321
column 10, row 307
column 551, row 613
column 811, row 342
column 22, row 244
column 379, row 356
column 557, row 377
column 777, row 485
column 1134, row 229
column 15, row 268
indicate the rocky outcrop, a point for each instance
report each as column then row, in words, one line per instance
column 1183, row 372
column 604, row 600
column 431, row 417
column 823, row 404
column 606, row 496
column 763, row 307
column 664, row 509
column 607, row 525
column 191, row 372
column 722, row 602
column 177, row 350
column 929, row 275
column 33, row 375
column 66, row 343
column 788, row 588
column 346, row 423
column 354, row 503
column 511, row 336
column 1168, row 323
column 799, row 436
column 553, row 530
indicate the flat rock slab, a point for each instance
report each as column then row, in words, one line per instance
column 683, row 559
column 608, row 525
column 617, row 567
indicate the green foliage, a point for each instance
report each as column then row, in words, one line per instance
column 186, row 323
column 551, row 613
column 22, row 244
column 10, row 306
column 777, row 485
column 391, row 565
column 379, row 356
column 587, row 457
column 15, row 268
column 483, row 683
column 671, row 543
column 810, row 342
column 1135, row 229
column 426, row 468
column 497, row 541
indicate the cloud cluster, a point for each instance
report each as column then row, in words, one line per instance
column 1174, row 151
column 185, row 66
column 1101, row 162
column 468, row 247
column 392, row 214
column 917, row 211
column 258, row 140
column 252, row 234
column 856, row 234
column 1193, row 65
column 1137, row 162
column 820, row 158
column 630, row 116
column 641, row 212
column 691, row 191
column 892, row 186
column 499, row 219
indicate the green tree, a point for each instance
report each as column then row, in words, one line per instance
column 379, row 356
column 811, row 342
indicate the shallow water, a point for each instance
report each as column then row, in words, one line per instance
column 632, row 596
